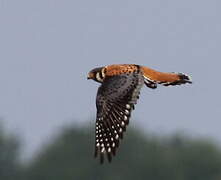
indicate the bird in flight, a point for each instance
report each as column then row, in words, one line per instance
column 117, row 96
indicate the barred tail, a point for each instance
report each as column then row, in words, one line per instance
column 182, row 79
column 152, row 78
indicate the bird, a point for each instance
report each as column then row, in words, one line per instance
column 116, row 98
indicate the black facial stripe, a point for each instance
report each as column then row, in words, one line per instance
column 98, row 77
column 101, row 75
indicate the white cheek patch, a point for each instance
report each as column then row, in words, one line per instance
column 98, row 77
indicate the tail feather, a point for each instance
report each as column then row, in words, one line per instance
column 183, row 79
column 152, row 78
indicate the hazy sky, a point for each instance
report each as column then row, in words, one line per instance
column 48, row 46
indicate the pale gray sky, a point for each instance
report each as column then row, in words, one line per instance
column 48, row 46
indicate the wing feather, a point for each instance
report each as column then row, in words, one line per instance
column 116, row 98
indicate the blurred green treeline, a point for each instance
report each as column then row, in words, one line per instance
column 69, row 156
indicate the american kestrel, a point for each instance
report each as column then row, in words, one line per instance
column 116, row 97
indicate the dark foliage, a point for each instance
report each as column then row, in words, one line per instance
column 70, row 156
column 9, row 163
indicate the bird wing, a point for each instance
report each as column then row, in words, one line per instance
column 115, row 100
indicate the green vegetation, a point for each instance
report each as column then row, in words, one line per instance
column 70, row 156
column 9, row 163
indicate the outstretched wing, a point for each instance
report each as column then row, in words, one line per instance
column 116, row 98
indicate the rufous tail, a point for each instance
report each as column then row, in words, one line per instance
column 152, row 78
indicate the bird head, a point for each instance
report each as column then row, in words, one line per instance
column 97, row 74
